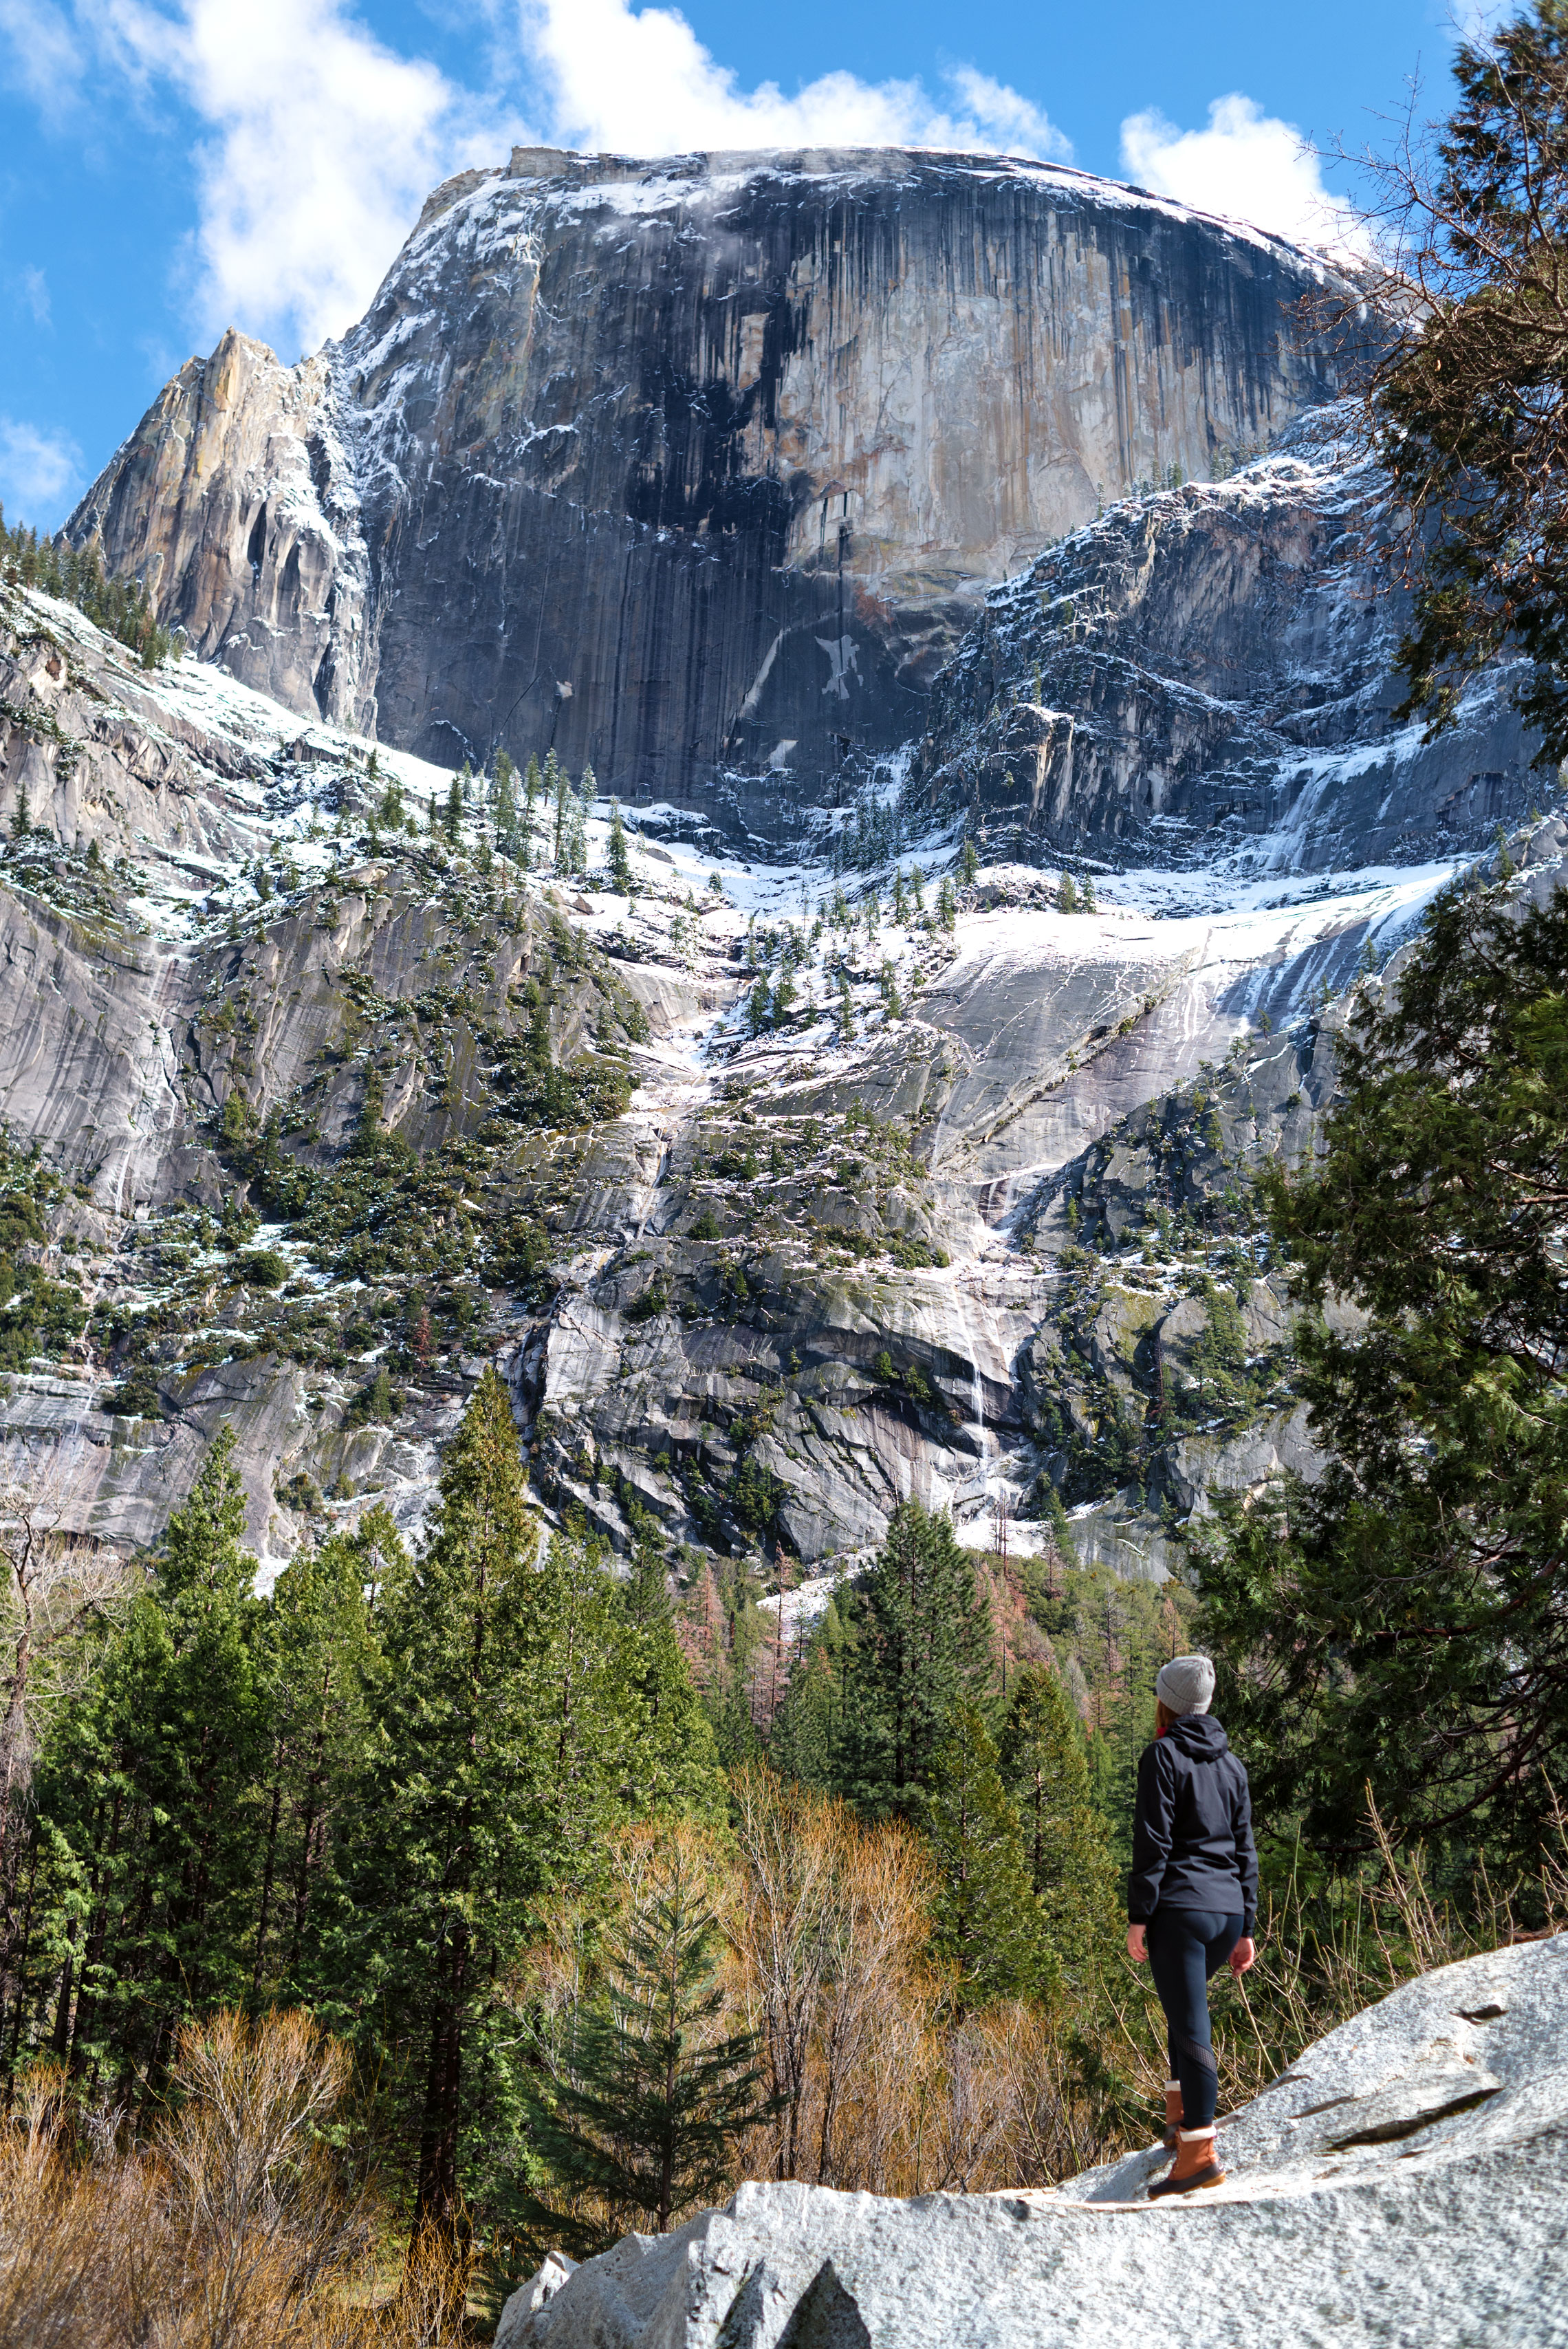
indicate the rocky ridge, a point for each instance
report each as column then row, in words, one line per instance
column 1204, row 678
column 694, row 466
column 1403, row 2181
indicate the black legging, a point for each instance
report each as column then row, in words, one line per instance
column 1185, row 1947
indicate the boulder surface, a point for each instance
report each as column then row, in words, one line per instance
column 1403, row 2182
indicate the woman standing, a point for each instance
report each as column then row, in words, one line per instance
column 1193, row 1899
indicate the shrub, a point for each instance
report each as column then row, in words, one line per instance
column 262, row 1269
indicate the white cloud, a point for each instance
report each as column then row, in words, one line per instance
column 321, row 145
column 641, row 83
column 1248, row 165
column 45, row 57
column 40, row 473
column 35, row 293
column 316, row 143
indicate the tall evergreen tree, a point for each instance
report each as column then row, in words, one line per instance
column 1401, row 1623
column 441, row 1858
column 620, row 855
column 1467, row 414
column 321, row 1661
column 987, row 1920
column 505, row 802
column 648, row 2096
column 557, row 785
column 677, row 1763
column 1070, row 1867
column 922, row 1646
column 149, row 1799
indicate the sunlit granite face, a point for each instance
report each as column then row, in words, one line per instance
column 696, row 468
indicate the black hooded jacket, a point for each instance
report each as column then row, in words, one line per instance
column 1193, row 1830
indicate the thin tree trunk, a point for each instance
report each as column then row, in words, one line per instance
column 24, row 1951
column 436, row 2202
column 277, row 1804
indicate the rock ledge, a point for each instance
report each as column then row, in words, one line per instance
column 1403, row 2183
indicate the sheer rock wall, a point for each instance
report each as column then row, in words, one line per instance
column 694, row 468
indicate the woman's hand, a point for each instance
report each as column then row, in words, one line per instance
column 1138, row 1945
column 1241, row 1956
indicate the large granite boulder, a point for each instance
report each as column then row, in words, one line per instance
column 1403, row 2182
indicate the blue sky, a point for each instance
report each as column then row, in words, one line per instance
column 172, row 167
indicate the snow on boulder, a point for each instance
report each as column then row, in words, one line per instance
column 1406, row 2181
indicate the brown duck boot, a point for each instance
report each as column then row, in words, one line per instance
column 1195, row 2165
column 1173, row 2114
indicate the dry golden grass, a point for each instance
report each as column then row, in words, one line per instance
column 230, row 2230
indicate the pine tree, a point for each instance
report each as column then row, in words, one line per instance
column 970, row 863
column 1400, row 1624
column 846, row 1011
column 505, row 804
column 647, row 2099
column 22, row 816
column 620, row 858
column 532, row 783
column 442, row 1858
column 1067, row 896
column 321, row 1657
column 1070, row 1867
column 557, row 786
column 507, row 1738
column 987, row 1920
column 679, row 1768
column 455, row 809
column 148, row 1799
column 922, row 1646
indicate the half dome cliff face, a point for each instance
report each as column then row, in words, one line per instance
column 694, row 469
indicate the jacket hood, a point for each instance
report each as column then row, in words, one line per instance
column 1198, row 1735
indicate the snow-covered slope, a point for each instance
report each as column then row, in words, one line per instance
column 916, row 1189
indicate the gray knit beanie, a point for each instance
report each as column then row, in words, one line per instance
column 1186, row 1684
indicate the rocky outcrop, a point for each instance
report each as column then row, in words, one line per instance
column 236, row 502
column 945, row 1227
column 692, row 468
column 1402, row 2182
column 1205, row 676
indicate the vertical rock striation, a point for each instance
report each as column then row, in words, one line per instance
column 694, row 468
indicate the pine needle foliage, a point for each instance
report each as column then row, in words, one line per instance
column 648, row 2094
column 1467, row 413
column 921, row 1646
column 987, row 1919
column 1046, row 1771
column 1404, row 1618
